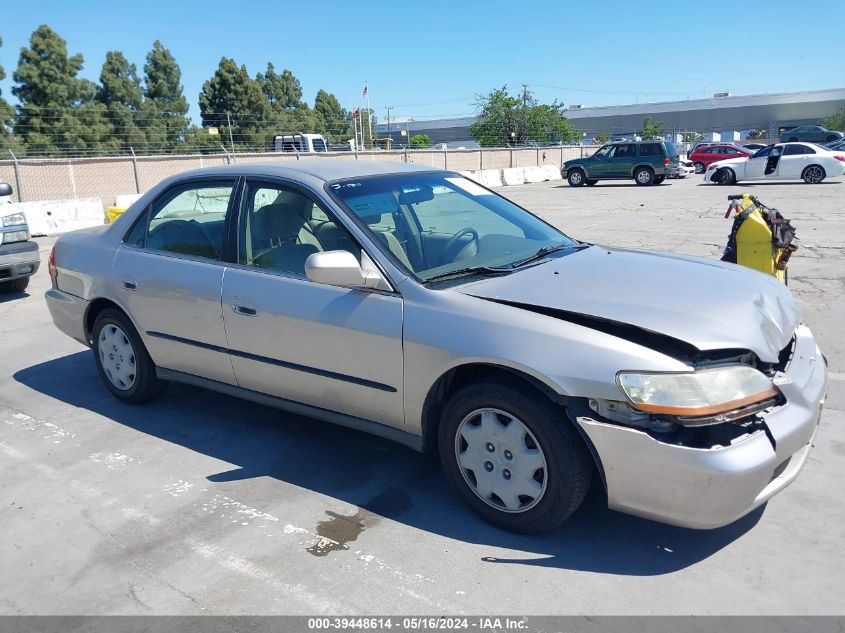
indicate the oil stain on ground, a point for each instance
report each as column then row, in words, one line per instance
column 336, row 532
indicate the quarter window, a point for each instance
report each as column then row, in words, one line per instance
column 190, row 219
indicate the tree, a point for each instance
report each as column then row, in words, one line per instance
column 332, row 120
column 506, row 119
column 835, row 121
column 651, row 129
column 232, row 100
column 602, row 137
column 121, row 94
column 282, row 91
column 419, row 140
column 6, row 114
column 164, row 108
column 57, row 110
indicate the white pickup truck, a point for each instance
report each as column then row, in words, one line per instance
column 19, row 258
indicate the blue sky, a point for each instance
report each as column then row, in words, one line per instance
column 428, row 59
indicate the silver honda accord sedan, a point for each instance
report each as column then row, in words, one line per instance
column 417, row 305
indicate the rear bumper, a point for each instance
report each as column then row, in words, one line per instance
column 20, row 259
column 68, row 313
column 709, row 488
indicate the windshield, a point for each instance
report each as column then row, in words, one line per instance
column 438, row 223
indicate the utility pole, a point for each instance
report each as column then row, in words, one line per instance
column 388, row 108
column 231, row 141
column 526, row 95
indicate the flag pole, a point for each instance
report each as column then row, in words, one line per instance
column 369, row 116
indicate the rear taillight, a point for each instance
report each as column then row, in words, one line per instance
column 839, row 157
column 665, row 160
column 51, row 264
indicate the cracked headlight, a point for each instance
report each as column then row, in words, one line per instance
column 701, row 393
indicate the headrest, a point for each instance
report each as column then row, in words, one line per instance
column 277, row 221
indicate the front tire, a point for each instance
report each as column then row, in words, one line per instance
column 644, row 176
column 725, row 176
column 122, row 361
column 513, row 456
column 576, row 178
column 16, row 285
column 813, row 174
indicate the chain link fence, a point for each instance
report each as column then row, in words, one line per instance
column 39, row 179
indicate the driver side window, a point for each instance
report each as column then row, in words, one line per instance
column 188, row 220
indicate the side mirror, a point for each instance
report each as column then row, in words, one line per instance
column 340, row 268
column 5, row 189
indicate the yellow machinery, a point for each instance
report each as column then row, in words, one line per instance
column 761, row 238
column 112, row 213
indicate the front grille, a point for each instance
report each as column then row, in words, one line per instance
column 5, row 273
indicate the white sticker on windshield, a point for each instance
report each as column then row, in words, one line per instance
column 472, row 188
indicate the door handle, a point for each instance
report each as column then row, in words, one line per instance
column 127, row 282
column 244, row 307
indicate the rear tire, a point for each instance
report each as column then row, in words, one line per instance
column 813, row 174
column 531, row 476
column 122, row 361
column 576, row 178
column 16, row 285
column 699, row 168
column 644, row 176
column 659, row 179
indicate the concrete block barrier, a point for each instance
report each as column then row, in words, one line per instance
column 535, row 174
column 53, row 217
column 552, row 172
column 513, row 176
column 490, row 177
column 472, row 175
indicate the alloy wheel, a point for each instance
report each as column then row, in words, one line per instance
column 813, row 175
column 501, row 460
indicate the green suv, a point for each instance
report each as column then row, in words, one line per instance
column 647, row 162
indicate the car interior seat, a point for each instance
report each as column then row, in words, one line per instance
column 276, row 238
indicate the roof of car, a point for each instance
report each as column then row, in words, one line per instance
column 323, row 168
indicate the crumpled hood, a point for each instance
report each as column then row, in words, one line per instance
column 708, row 304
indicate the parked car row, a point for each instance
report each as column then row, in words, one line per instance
column 783, row 161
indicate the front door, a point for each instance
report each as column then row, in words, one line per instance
column 335, row 348
column 622, row 160
column 169, row 276
column 755, row 167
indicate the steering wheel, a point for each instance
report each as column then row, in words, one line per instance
column 450, row 244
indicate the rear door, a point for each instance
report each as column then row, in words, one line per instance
column 793, row 161
column 169, row 275
column 335, row 348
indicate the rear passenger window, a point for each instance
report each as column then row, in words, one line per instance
column 189, row 220
column 651, row 149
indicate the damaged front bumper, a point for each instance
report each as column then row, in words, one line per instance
column 711, row 487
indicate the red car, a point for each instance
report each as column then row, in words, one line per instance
column 703, row 156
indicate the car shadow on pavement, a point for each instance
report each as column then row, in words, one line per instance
column 385, row 480
column 13, row 296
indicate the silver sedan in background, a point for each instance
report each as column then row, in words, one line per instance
column 420, row 306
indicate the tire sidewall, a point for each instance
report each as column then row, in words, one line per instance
column 562, row 495
column 810, row 182
column 699, row 168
